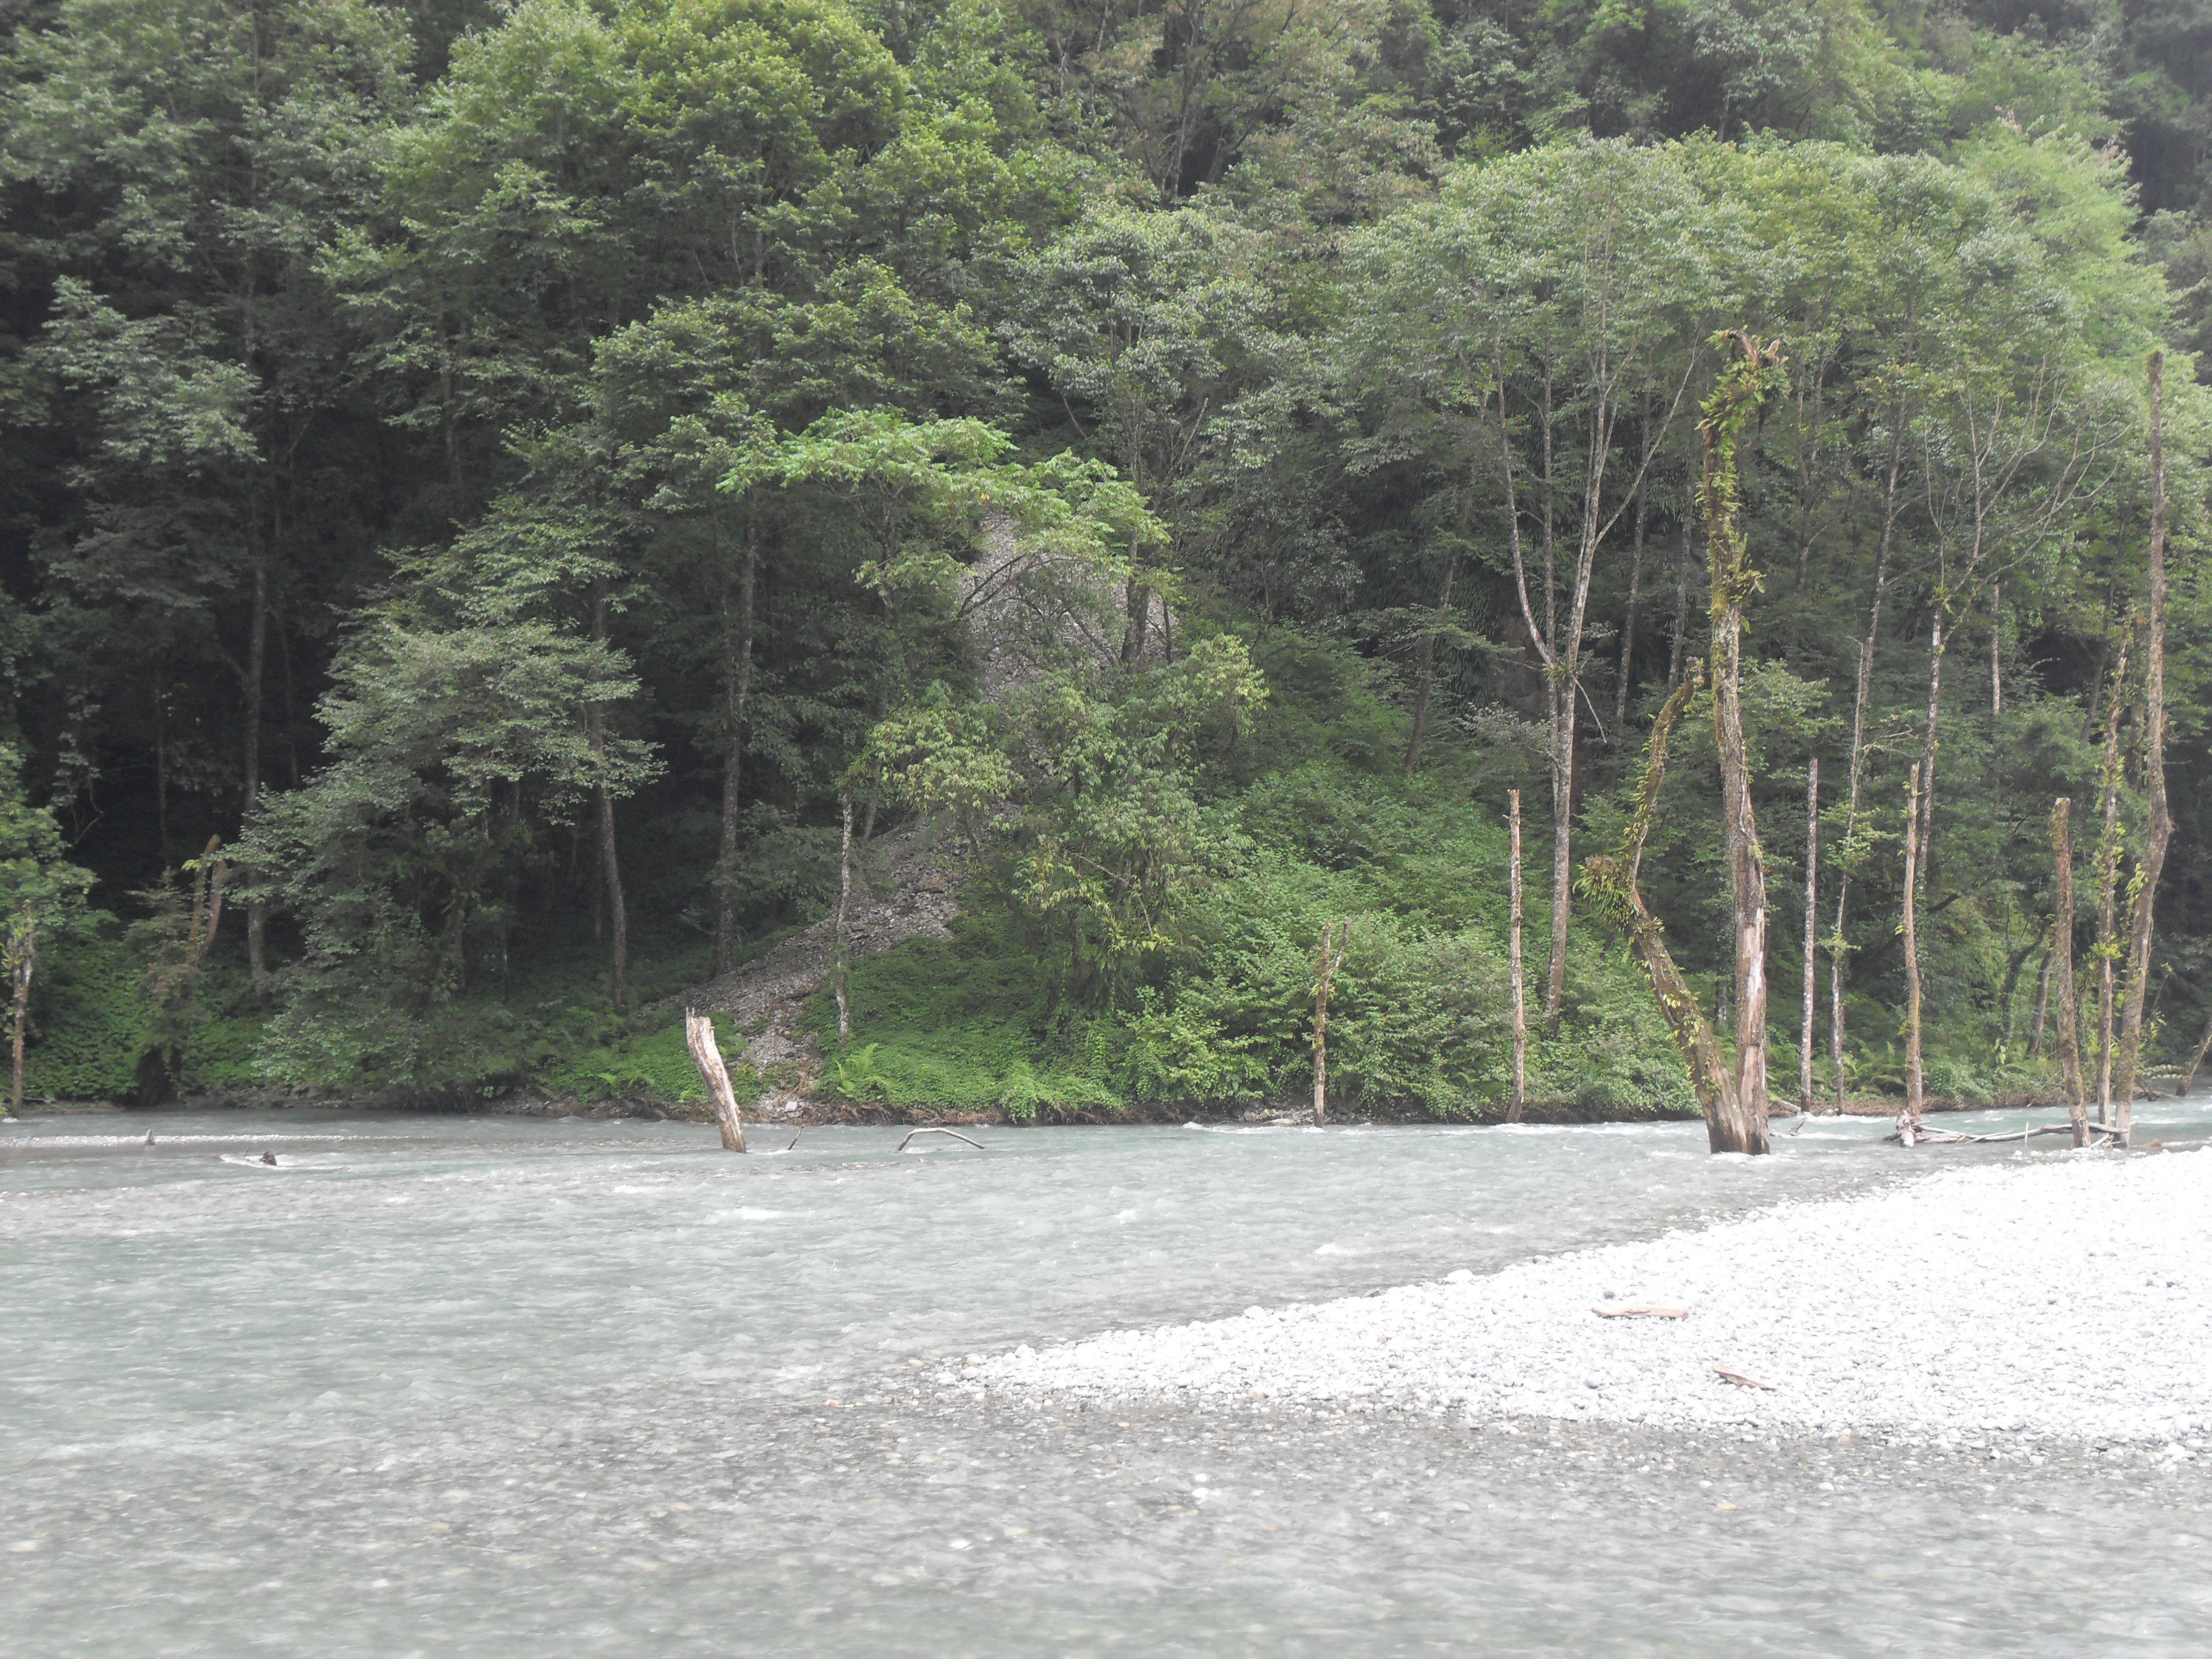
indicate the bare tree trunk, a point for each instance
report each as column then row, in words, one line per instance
column 257, row 663
column 2108, row 878
column 737, row 688
column 291, row 702
column 599, row 895
column 2151, row 866
column 162, row 768
column 1727, row 1127
column 707, row 1056
column 609, row 863
column 2197, row 1059
column 1924, row 828
column 1729, row 414
column 617, row 910
column 1137, row 611
column 1426, row 683
column 2062, row 967
column 1327, row 961
column 1513, row 956
column 1628, row 622
column 844, row 897
column 2042, row 1007
column 207, row 904
column 1811, row 934
column 1861, row 695
column 868, row 818
column 1908, row 1126
column 1563, row 798
column 1996, row 655
column 24, row 950
column 1681, row 595
column 1560, row 650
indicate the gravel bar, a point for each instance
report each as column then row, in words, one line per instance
column 2065, row 1296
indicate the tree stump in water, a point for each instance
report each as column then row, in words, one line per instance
column 707, row 1056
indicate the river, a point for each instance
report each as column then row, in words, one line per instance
column 493, row 1386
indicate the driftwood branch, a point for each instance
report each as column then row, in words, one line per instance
column 1956, row 1138
column 955, row 1133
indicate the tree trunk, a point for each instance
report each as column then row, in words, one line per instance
column 2042, row 1008
column 1559, row 649
column 2197, row 1059
column 162, row 769
column 207, row 904
column 291, row 701
column 1682, row 593
column 2151, row 866
column 1996, row 656
column 1925, row 825
column 2108, row 879
column 2062, row 967
column 1812, row 935
column 1513, row 956
column 1628, row 621
column 257, row 663
column 1728, row 1127
column 1838, row 947
column 609, row 863
column 1729, row 414
column 1563, row 798
column 1908, row 1126
column 737, row 688
column 1426, row 683
column 1137, row 611
column 707, row 1056
column 844, row 897
column 1331, row 955
column 617, row 910
column 25, row 953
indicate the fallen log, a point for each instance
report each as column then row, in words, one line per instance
column 1641, row 1313
column 1958, row 1138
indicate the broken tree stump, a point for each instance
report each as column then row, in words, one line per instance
column 707, row 1056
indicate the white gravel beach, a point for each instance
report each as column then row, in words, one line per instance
column 2067, row 1297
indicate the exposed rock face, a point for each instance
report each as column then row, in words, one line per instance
column 905, row 888
column 1026, row 611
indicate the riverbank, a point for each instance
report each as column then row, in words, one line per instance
column 800, row 1111
column 2068, row 1297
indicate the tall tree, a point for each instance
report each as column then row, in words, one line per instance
column 191, row 333
column 2150, row 864
column 1745, row 382
column 1534, row 310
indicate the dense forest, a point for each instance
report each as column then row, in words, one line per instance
column 501, row 502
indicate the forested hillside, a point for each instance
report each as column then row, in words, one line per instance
column 498, row 499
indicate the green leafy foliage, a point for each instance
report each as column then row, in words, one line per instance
column 1197, row 458
column 88, row 1024
column 1220, row 1016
